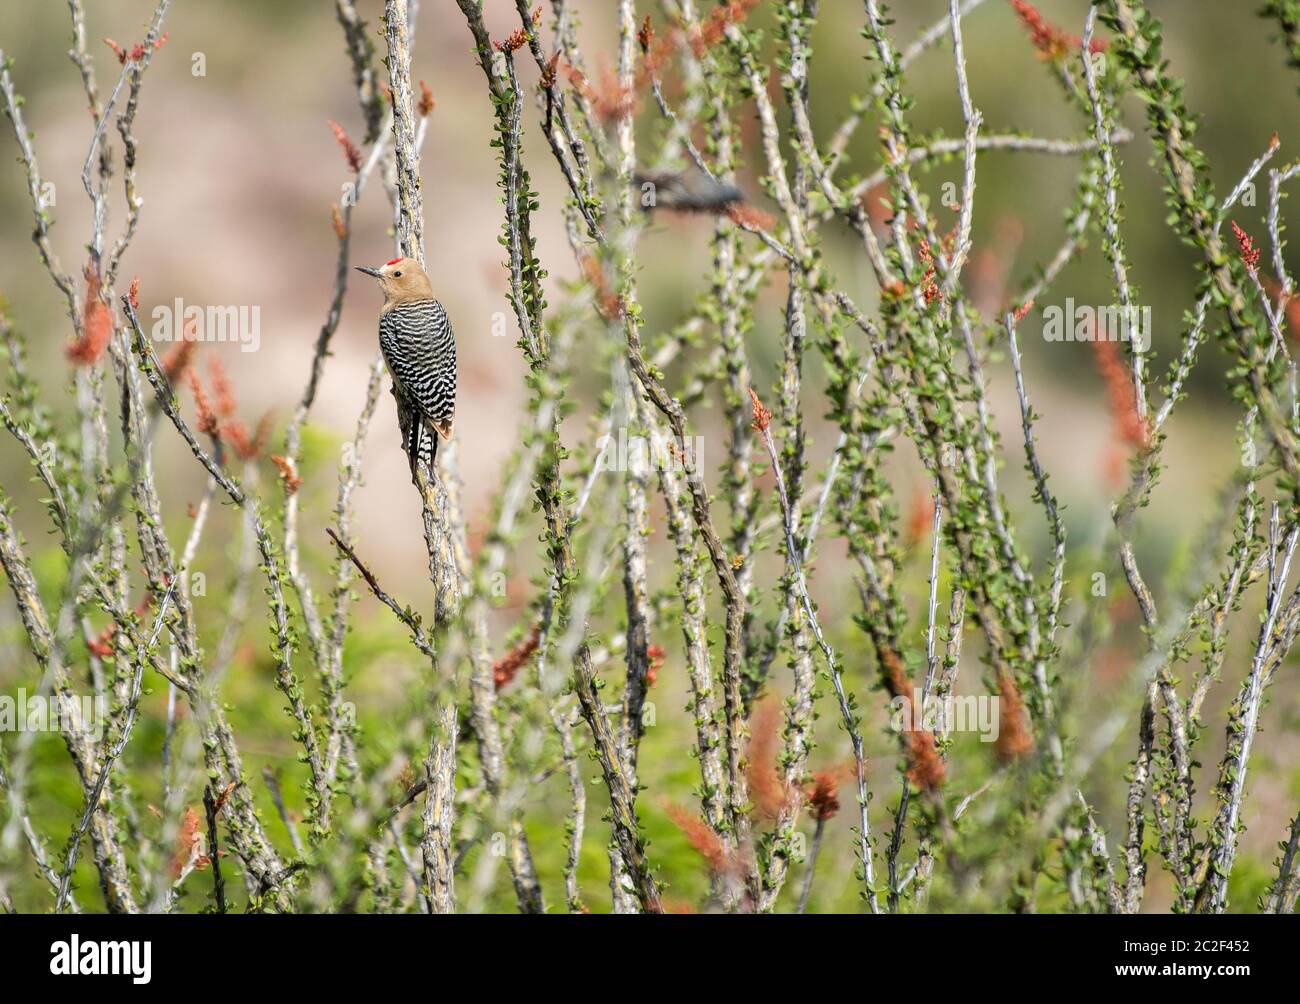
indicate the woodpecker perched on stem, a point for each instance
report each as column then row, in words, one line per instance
column 416, row 338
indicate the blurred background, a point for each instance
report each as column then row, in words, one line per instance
column 239, row 170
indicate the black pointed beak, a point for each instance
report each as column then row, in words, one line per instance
column 368, row 270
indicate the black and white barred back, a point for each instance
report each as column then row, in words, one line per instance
column 420, row 350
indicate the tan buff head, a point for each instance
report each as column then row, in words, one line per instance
column 402, row 280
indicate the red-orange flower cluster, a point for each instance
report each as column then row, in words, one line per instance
column 608, row 302
column 219, row 420
column 920, row 516
column 611, row 101
column 657, row 52
column 550, row 71
column 188, row 841
column 1123, row 399
column 247, row 446
column 1014, row 738
column 179, row 357
column 701, row 836
column 508, row 666
column 519, row 37
column 703, row 37
column 96, row 322
column 1051, row 41
column 292, row 482
column 207, row 417
column 929, row 289
column 646, row 35
column 767, row 790
column 102, row 644
column 137, row 51
column 656, row 655
column 927, row 770
column 1249, row 252
column 350, row 151
column 1289, row 306
column 823, row 792
column 762, row 416
column 747, row 216
column 515, row 41
column 221, row 386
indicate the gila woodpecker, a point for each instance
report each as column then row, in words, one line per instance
column 420, row 350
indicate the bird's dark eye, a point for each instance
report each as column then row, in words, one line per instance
column 397, row 275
